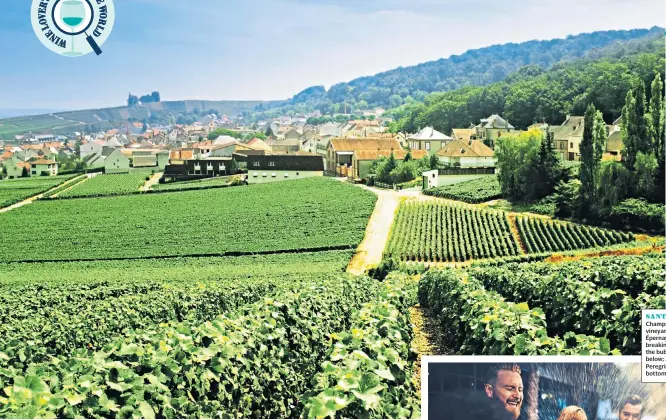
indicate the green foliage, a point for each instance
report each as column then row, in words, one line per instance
column 434, row 162
column 223, row 132
column 15, row 190
column 107, row 185
column 613, row 185
column 566, row 198
column 479, row 321
column 591, row 151
column 657, row 124
column 255, row 362
column 646, row 170
column 636, row 136
column 150, row 225
column 518, row 163
column 567, row 88
column 391, row 171
column 206, row 183
column 539, row 235
column 600, row 297
column 638, row 213
column 437, row 232
column 476, row 191
column 522, row 64
column 85, row 305
column 369, row 372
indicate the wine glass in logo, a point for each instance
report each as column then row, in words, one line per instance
column 72, row 14
column 73, row 17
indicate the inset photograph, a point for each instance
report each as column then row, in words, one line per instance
column 528, row 388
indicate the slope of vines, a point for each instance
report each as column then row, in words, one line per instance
column 539, row 235
column 439, row 232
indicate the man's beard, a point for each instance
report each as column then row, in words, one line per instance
column 501, row 410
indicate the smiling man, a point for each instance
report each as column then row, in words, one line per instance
column 632, row 408
column 504, row 388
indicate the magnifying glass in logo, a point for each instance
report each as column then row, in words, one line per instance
column 75, row 17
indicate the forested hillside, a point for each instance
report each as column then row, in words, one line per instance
column 474, row 68
column 536, row 95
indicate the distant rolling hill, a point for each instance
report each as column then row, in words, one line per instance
column 105, row 118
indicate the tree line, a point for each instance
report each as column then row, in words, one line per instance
column 626, row 193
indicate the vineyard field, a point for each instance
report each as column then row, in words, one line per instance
column 236, row 357
column 63, row 308
column 439, row 232
column 192, row 185
column 539, row 235
column 481, row 321
column 310, row 214
column 601, row 297
column 476, row 191
column 15, row 190
column 106, row 185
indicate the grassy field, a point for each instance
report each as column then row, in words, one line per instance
column 106, row 185
column 15, row 190
column 295, row 215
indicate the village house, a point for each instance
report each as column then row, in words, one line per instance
column 199, row 168
column 340, row 151
column 111, row 161
column 271, row 168
column 283, row 146
column 466, row 154
column 91, row 148
column 150, row 158
column 491, row 128
column 44, row 167
column 464, row 134
column 614, row 144
column 16, row 168
column 259, row 144
column 428, row 139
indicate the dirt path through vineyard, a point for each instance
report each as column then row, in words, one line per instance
column 516, row 233
column 428, row 338
column 38, row 196
column 369, row 252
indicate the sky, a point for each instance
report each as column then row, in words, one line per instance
column 272, row 49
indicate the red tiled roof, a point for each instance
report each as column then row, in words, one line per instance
column 398, row 154
column 459, row 148
column 44, row 162
column 365, row 143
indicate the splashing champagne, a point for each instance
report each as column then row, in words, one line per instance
column 72, row 14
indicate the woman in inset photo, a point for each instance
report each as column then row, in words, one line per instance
column 572, row 412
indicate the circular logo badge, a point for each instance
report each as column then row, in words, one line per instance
column 73, row 27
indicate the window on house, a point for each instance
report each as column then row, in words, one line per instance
column 427, row 146
column 286, row 175
column 256, row 163
column 271, row 163
column 298, row 173
column 255, row 174
column 264, row 175
column 571, row 145
column 273, row 174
